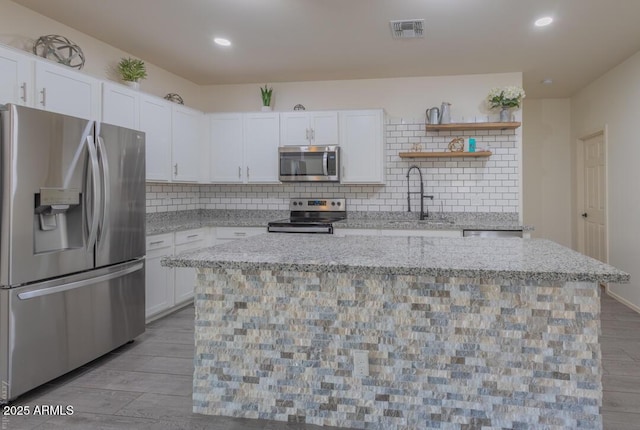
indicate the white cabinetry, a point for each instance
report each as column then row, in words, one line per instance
column 159, row 285
column 120, row 105
column 362, row 147
column 227, row 234
column 63, row 90
column 186, row 144
column 16, row 78
column 155, row 121
column 309, row 128
column 244, row 147
column 185, row 277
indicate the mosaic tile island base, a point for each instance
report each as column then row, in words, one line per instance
column 457, row 333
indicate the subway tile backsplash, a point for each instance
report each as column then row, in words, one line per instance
column 457, row 185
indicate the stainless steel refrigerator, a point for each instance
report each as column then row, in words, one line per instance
column 72, row 243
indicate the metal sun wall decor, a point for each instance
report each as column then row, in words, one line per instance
column 173, row 97
column 60, row 49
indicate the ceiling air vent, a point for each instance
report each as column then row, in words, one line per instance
column 407, row 28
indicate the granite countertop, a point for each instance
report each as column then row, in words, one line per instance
column 168, row 222
column 512, row 259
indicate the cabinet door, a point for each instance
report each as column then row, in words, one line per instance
column 155, row 121
column 324, row 128
column 120, row 105
column 185, row 277
column 226, row 148
column 295, row 129
column 261, row 141
column 362, row 147
column 63, row 90
column 16, row 78
column 185, row 144
column 159, row 285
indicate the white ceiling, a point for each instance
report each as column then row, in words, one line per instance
column 301, row 40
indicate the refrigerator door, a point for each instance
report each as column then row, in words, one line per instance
column 49, row 195
column 50, row 328
column 121, row 232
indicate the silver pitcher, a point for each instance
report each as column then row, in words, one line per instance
column 433, row 115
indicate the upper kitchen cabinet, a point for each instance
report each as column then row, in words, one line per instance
column 120, row 105
column 155, row 121
column 362, row 146
column 16, row 78
column 309, row 128
column 244, row 147
column 261, row 140
column 66, row 91
column 186, row 144
column 226, row 148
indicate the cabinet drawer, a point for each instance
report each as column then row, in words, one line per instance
column 159, row 241
column 238, row 233
column 191, row 236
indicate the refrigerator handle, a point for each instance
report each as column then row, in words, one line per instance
column 95, row 175
column 106, row 183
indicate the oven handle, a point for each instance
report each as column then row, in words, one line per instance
column 325, row 163
column 282, row 229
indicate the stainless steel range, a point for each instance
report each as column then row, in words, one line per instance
column 315, row 215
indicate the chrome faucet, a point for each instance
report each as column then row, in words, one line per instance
column 423, row 215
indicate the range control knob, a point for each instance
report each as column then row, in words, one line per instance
column 295, row 203
column 339, row 203
column 333, row 203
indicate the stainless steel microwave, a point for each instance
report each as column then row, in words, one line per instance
column 309, row 163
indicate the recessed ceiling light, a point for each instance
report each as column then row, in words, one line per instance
column 543, row 21
column 547, row 81
column 222, row 42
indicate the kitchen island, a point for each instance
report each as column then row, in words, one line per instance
column 447, row 333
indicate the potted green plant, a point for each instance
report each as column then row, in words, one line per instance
column 266, row 97
column 505, row 98
column 132, row 70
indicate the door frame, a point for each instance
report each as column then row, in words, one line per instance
column 579, row 189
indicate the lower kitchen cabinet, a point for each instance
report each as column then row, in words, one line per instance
column 227, row 234
column 185, row 277
column 159, row 284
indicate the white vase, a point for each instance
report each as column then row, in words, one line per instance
column 267, row 108
column 133, row 84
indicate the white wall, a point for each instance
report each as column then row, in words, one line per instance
column 546, row 149
column 613, row 101
column 20, row 27
column 400, row 97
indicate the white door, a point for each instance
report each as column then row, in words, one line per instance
column 16, row 78
column 324, row 128
column 362, row 147
column 120, row 105
column 155, row 121
column 185, row 277
column 261, row 141
column 595, row 238
column 295, row 129
column 63, row 90
column 226, row 148
column 185, row 144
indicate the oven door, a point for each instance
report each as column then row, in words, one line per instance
column 309, row 163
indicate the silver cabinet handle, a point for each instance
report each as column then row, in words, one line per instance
column 239, row 233
column 23, row 87
column 247, row 172
column 43, row 102
column 307, row 130
column 157, row 242
column 192, row 235
column 239, row 172
column 313, row 134
column 175, row 169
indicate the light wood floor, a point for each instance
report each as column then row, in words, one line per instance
column 147, row 384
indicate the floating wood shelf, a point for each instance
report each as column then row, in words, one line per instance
column 444, row 154
column 473, row 126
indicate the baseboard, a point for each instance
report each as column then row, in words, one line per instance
column 622, row 300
